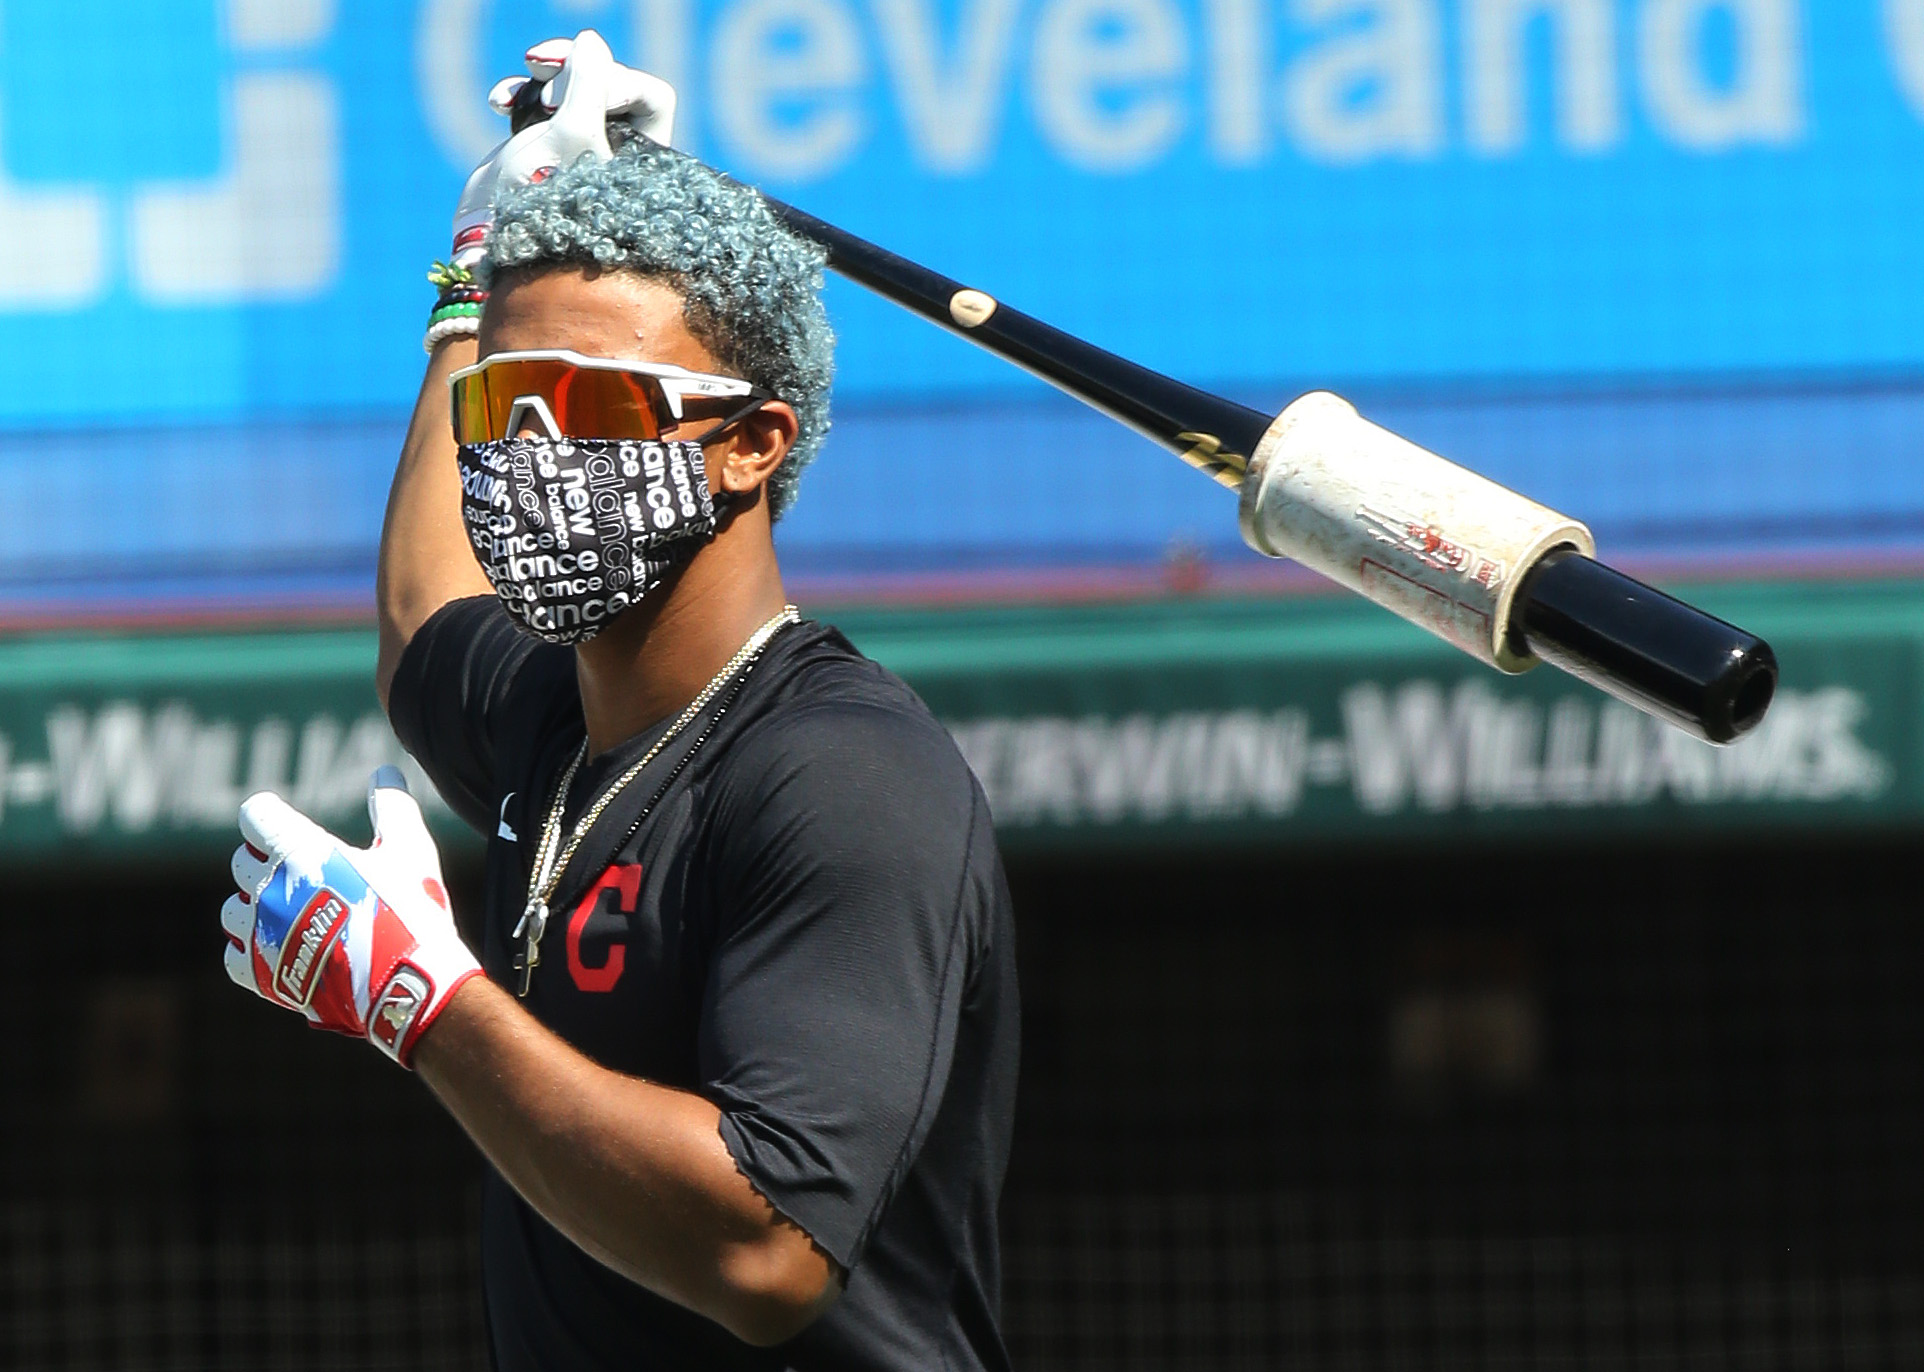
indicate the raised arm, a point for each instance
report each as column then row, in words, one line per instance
column 425, row 558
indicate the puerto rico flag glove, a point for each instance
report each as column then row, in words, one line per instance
column 582, row 84
column 359, row 940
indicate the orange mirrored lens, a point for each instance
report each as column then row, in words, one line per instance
column 586, row 402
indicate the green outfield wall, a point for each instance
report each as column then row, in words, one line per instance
column 1173, row 723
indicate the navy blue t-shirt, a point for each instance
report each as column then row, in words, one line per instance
column 810, row 928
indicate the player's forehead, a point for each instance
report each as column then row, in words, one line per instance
column 602, row 314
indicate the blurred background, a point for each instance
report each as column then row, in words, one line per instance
column 1379, row 1011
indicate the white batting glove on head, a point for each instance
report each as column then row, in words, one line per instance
column 359, row 940
column 579, row 81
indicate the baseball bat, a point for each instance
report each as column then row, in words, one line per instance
column 1507, row 580
column 1500, row 576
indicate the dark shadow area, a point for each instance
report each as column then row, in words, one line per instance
column 1589, row 1108
column 1404, row 1108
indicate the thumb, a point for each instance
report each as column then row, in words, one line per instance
column 396, row 814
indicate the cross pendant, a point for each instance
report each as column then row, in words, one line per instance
column 534, row 922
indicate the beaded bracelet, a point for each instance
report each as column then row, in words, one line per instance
column 457, row 310
column 454, row 327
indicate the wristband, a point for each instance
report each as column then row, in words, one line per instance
column 455, row 327
column 457, row 308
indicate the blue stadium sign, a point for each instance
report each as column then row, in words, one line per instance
column 1246, row 190
column 1652, row 261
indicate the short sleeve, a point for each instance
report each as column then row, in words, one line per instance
column 847, row 919
column 465, row 676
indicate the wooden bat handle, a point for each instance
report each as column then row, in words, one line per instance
column 1214, row 435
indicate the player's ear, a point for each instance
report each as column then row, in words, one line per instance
column 756, row 447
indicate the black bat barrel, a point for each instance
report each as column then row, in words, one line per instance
column 1646, row 648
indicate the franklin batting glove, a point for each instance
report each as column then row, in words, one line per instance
column 359, row 940
column 582, row 83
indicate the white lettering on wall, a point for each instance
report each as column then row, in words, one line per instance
column 665, row 45
column 336, row 761
column 1904, row 39
column 791, row 87
column 950, row 94
column 113, row 763
column 1237, row 79
column 268, row 227
column 1103, row 80
column 1763, row 102
column 56, row 247
column 56, row 242
column 1470, row 748
column 253, row 25
column 793, row 90
column 1583, row 80
column 783, row 76
column 1143, row 768
column 1368, row 93
column 454, row 83
column 138, row 768
column 1419, row 747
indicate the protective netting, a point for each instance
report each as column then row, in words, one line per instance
column 1595, row 1109
column 157, row 1287
column 1245, row 1282
column 193, row 1181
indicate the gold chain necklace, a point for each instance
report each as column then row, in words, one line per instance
column 552, row 858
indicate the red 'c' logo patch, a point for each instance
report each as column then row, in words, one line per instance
column 624, row 878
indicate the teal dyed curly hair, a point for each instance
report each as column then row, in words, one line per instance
column 751, row 289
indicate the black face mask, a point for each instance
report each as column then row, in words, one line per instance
column 572, row 531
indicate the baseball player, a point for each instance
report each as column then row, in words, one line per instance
column 736, row 1023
